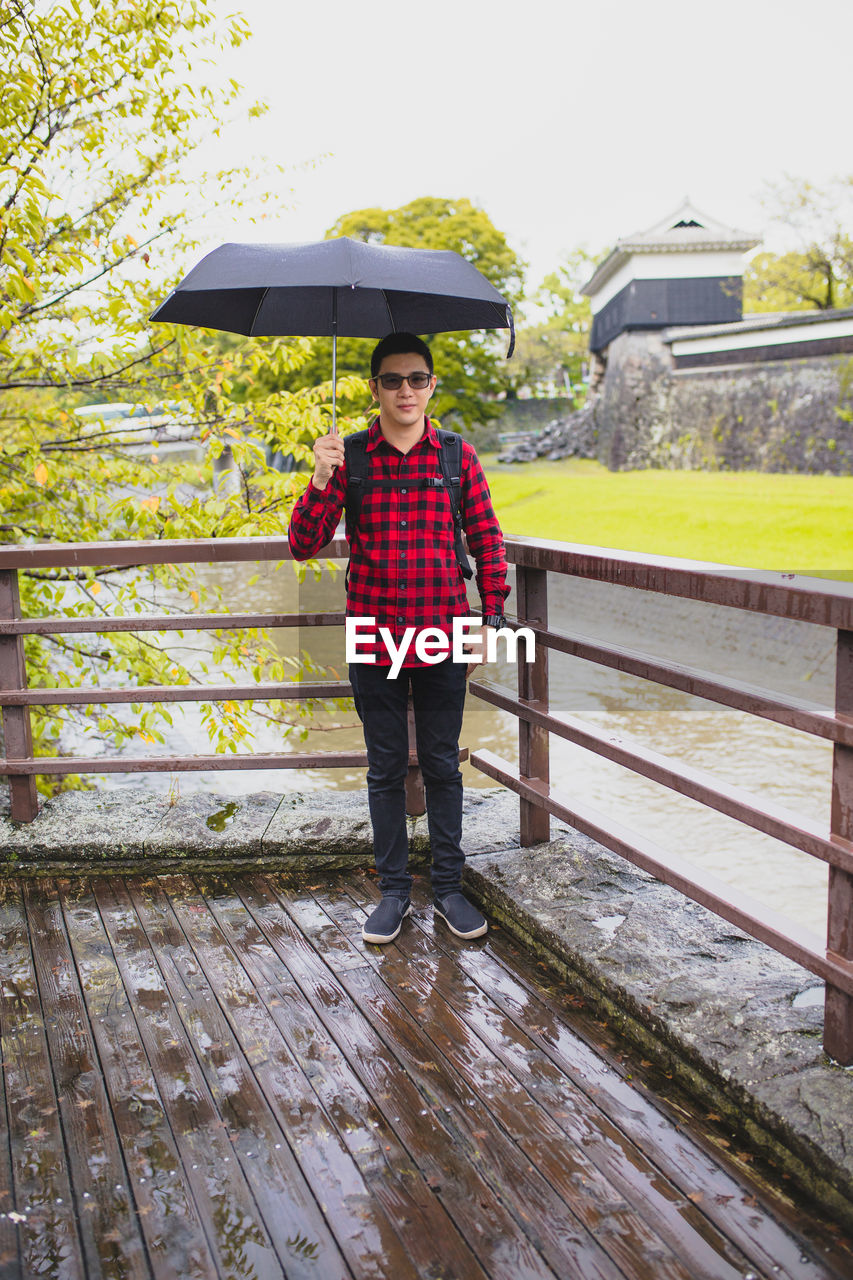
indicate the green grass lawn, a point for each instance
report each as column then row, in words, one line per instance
column 794, row 523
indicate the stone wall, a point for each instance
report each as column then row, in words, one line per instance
column 632, row 413
column 792, row 415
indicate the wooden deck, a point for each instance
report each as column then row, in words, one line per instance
column 213, row 1077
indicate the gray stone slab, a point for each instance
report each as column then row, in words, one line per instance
column 339, row 822
column 78, row 827
column 333, row 823
column 818, row 1102
column 490, row 821
column 215, row 826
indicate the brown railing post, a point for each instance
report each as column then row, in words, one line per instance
column 17, row 730
column 532, row 603
column 838, row 1016
column 415, row 798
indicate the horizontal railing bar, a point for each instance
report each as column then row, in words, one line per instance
column 782, row 595
column 795, row 713
column 167, row 622
column 175, row 693
column 774, row 820
column 785, row 595
column 760, row 922
column 135, row 553
column 184, row 764
column 188, row 764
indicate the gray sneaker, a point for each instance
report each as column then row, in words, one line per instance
column 385, row 922
column 460, row 916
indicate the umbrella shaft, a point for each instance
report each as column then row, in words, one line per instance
column 334, row 362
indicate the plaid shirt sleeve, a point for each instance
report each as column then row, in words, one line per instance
column 315, row 516
column 485, row 540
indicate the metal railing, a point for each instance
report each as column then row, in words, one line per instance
column 803, row 599
column 16, row 698
column 781, row 595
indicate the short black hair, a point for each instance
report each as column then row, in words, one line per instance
column 399, row 344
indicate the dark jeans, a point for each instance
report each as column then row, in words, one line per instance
column 438, row 694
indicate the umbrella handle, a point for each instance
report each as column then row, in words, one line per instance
column 511, row 323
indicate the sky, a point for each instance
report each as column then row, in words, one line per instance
column 569, row 123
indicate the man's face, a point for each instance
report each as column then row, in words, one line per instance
column 405, row 406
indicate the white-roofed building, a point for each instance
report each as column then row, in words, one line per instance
column 679, row 377
column 686, row 269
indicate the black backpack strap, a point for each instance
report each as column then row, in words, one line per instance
column 450, row 461
column 357, row 464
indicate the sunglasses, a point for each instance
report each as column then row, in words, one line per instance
column 418, row 380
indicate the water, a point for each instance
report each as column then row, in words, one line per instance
column 772, row 762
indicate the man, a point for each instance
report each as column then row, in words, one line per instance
column 404, row 573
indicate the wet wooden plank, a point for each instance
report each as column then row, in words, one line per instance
column 405, row 1098
column 127, row 1022
column 109, row 1226
column 766, row 1233
column 451, row 1116
column 433, row 988
column 256, row 1207
column 48, row 1237
column 566, row 1244
column 391, row 1177
column 288, row 1112
column 632, row 1137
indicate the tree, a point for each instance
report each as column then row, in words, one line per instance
column 101, row 109
column 816, row 271
column 469, row 365
column 552, row 353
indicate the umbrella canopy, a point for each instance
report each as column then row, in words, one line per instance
column 334, row 287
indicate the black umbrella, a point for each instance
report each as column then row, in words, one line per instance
column 334, row 287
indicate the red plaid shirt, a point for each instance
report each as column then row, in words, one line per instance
column 403, row 569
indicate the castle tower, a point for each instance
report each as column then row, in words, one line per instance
column 686, row 269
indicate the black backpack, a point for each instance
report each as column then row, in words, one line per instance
column 450, row 461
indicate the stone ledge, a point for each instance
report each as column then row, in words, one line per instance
column 131, row 829
column 737, row 1024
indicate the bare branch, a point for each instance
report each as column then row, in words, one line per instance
column 76, row 383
